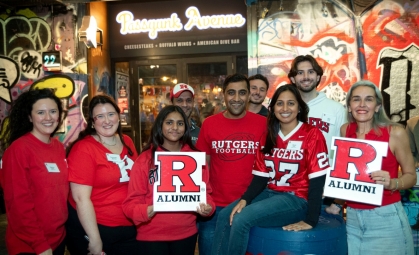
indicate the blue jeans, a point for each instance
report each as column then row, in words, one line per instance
column 383, row 230
column 268, row 209
column 206, row 230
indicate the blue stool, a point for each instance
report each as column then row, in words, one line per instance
column 327, row 238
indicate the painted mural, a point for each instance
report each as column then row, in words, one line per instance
column 380, row 44
column 29, row 32
column 391, row 41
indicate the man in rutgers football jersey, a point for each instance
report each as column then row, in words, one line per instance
column 293, row 162
column 230, row 140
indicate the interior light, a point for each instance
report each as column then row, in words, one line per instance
column 88, row 30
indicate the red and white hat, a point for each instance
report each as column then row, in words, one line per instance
column 179, row 89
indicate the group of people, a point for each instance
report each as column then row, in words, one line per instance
column 265, row 167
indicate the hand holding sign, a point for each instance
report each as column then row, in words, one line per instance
column 150, row 211
column 382, row 177
column 204, row 209
column 353, row 163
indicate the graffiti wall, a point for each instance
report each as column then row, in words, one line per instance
column 29, row 32
column 391, row 41
column 100, row 57
column 380, row 44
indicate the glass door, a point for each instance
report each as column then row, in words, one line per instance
column 155, row 78
column 155, row 82
column 207, row 80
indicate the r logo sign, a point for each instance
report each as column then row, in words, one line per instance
column 179, row 186
column 349, row 177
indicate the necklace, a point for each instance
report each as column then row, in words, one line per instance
column 104, row 143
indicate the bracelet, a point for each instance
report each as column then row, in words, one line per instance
column 397, row 185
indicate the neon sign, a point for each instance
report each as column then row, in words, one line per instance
column 172, row 24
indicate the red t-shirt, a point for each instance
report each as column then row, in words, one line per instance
column 90, row 163
column 163, row 226
column 232, row 145
column 297, row 157
column 35, row 191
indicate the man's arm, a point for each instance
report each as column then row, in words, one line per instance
column 410, row 132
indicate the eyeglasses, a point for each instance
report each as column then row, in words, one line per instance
column 101, row 117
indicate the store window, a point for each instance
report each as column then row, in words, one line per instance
column 155, row 83
column 206, row 75
column 207, row 80
column 122, row 88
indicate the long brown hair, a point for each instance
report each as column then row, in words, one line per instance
column 89, row 130
column 19, row 123
column 273, row 122
column 156, row 136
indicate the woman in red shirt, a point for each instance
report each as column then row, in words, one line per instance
column 381, row 229
column 34, row 176
column 99, row 162
column 163, row 233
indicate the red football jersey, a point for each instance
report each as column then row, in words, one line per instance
column 298, row 157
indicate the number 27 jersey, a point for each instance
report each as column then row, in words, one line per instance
column 297, row 157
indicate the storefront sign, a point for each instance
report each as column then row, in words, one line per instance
column 179, row 185
column 189, row 27
column 172, row 24
column 354, row 160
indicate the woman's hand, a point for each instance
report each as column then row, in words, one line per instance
column 297, row 226
column 150, row 211
column 204, row 209
column 95, row 247
column 382, row 177
column 47, row 252
column 237, row 209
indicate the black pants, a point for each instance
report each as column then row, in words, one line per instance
column 179, row 247
column 58, row 251
column 116, row 240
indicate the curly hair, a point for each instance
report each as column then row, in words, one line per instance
column 19, row 122
column 273, row 122
column 89, row 130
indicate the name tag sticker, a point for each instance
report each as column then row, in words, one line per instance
column 329, row 118
column 52, row 167
column 113, row 157
column 294, row 145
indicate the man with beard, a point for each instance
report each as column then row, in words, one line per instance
column 324, row 113
column 259, row 85
column 230, row 140
column 182, row 95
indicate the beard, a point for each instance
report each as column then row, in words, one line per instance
column 235, row 111
column 307, row 89
column 256, row 102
